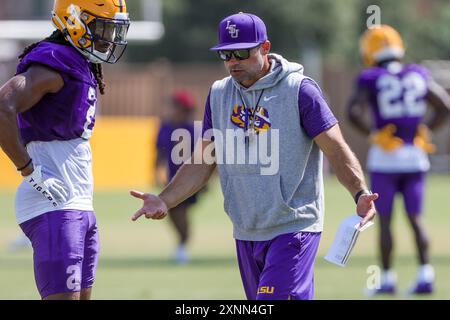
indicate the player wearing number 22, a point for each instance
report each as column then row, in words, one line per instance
column 47, row 114
column 397, row 161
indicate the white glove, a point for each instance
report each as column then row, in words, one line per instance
column 51, row 189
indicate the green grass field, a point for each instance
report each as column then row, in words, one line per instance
column 135, row 256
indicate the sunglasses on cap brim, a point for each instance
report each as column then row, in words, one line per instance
column 240, row 54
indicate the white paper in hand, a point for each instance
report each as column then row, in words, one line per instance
column 345, row 240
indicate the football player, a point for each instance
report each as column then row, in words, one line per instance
column 180, row 118
column 47, row 114
column 398, row 95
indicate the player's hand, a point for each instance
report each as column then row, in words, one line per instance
column 51, row 189
column 154, row 207
column 386, row 139
column 365, row 207
column 423, row 139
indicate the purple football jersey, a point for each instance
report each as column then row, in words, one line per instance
column 69, row 113
column 397, row 96
column 165, row 144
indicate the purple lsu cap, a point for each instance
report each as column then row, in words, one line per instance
column 241, row 31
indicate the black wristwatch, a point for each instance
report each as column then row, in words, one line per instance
column 360, row 193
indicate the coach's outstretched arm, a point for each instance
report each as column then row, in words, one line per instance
column 347, row 169
column 190, row 178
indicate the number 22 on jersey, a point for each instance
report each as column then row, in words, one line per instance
column 401, row 97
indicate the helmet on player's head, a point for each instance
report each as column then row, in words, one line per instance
column 96, row 28
column 381, row 43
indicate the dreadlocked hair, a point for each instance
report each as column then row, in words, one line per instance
column 97, row 70
column 58, row 37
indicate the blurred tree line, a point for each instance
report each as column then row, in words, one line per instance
column 332, row 26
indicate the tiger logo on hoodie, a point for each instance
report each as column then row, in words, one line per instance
column 261, row 118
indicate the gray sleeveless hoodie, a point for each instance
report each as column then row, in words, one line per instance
column 263, row 203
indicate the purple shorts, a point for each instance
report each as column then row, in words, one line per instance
column 410, row 185
column 279, row 269
column 65, row 250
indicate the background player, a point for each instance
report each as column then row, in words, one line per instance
column 47, row 114
column 180, row 117
column 397, row 161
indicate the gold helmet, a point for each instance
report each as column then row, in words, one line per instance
column 381, row 43
column 96, row 28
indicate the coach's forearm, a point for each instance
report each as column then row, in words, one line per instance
column 347, row 168
column 342, row 159
column 189, row 179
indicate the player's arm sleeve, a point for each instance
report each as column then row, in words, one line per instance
column 67, row 65
column 315, row 114
column 362, row 80
column 207, row 122
column 424, row 72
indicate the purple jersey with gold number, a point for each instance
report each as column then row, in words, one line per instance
column 397, row 95
column 69, row 113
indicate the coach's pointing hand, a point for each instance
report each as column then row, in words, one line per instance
column 153, row 208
